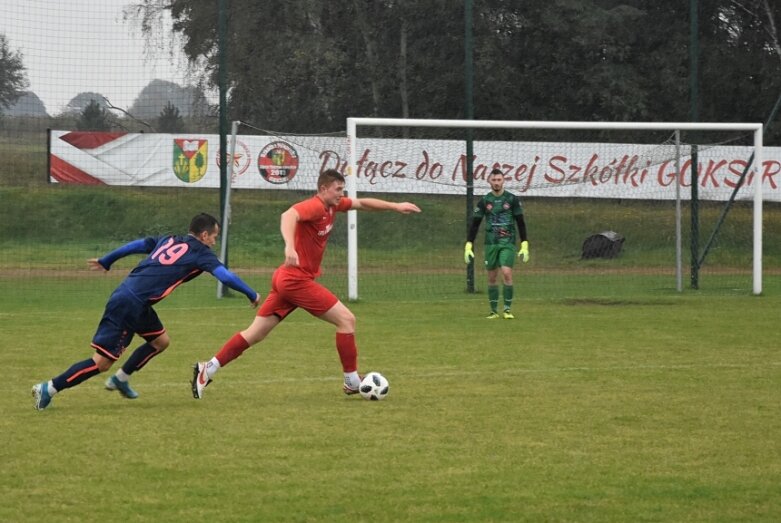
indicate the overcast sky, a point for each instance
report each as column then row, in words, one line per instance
column 84, row 45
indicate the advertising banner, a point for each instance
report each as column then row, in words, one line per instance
column 550, row 169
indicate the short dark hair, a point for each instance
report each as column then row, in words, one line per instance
column 203, row 222
column 496, row 171
column 329, row 176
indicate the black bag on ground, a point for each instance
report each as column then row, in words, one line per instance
column 606, row 244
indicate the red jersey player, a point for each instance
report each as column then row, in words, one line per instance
column 305, row 229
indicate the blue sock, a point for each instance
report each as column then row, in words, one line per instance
column 139, row 358
column 77, row 373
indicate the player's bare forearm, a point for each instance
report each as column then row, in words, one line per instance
column 375, row 204
column 287, row 226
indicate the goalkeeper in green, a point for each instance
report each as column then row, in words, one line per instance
column 503, row 213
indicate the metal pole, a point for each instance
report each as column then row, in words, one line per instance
column 222, row 75
column 226, row 213
column 678, row 241
column 352, row 216
column 469, row 115
column 757, row 267
column 694, row 116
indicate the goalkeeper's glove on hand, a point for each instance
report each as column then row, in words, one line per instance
column 524, row 251
column 469, row 254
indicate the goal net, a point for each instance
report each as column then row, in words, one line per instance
column 612, row 209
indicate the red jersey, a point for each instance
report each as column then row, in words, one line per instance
column 314, row 226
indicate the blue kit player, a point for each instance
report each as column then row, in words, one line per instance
column 171, row 261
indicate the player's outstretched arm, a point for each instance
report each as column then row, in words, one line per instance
column 141, row 246
column 375, row 204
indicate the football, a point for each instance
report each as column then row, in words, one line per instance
column 374, row 386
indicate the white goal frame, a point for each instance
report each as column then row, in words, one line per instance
column 354, row 123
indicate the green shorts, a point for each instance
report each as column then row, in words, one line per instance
column 499, row 256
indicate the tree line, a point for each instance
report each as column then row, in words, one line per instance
column 306, row 65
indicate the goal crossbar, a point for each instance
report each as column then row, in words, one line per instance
column 532, row 124
column 351, row 184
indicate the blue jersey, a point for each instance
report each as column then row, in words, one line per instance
column 172, row 261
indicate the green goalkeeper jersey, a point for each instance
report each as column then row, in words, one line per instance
column 499, row 213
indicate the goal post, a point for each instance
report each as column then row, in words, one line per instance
column 753, row 168
column 226, row 215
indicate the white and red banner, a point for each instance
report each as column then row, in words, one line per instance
column 556, row 169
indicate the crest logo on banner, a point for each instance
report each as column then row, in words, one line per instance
column 278, row 162
column 241, row 159
column 190, row 159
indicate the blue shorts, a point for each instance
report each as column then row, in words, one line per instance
column 124, row 317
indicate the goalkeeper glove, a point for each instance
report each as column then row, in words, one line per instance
column 524, row 251
column 469, row 254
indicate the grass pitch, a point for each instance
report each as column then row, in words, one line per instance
column 664, row 407
column 610, row 398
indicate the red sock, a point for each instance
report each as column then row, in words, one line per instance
column 348, row 352
column 232, row 349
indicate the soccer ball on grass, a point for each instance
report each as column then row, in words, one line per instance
column 374, row 386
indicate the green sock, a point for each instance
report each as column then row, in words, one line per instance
column 508, row 296
column 493, row 297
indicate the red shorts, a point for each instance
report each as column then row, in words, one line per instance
column 289, row 292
